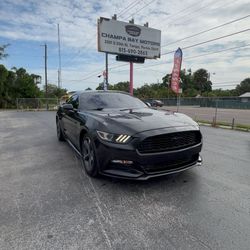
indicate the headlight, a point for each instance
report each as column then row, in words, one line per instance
column 113, row 137
column 122, row 138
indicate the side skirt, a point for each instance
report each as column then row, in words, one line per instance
column 73, row 147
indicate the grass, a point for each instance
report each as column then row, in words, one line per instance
column 237, row 126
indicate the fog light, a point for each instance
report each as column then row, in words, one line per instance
column 122, row 162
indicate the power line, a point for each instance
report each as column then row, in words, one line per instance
column 131, row 5
column 95, row 72
column 228, row 84
column 170, row 61
column 215, row 52
column 216, row 27
column 79, row 50
column 205, row 31
column 224, row 85
column 167, row 44
column 204, row 42
column 208, row 41
column 194, row 45
column 174, row 18
column 200, row 12
column 182, row 10
column 141, row 8
column 134, row 3
column 225, row 82
column 191, row 46
column 203, row 7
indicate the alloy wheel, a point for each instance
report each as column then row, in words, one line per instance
column 88, row 155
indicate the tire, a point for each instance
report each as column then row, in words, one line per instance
column 89, row 156
column 60, row 135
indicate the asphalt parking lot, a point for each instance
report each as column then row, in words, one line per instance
column 48, row 202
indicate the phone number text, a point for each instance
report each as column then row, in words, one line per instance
column 133, row 51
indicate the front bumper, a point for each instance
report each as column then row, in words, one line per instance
column 134, row 165
column 125, row 172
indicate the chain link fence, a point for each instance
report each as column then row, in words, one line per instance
column 231, row 112
column 23, row 104
column 208, row 102
column 228, row 111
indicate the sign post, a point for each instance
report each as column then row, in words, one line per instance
column 107, row 69
column 131, row 87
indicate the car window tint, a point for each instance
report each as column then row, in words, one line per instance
column 74, row 100
column 105, row 100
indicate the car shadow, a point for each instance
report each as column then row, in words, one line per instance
column 189, row 179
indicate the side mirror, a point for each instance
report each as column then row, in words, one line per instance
column 68, row 106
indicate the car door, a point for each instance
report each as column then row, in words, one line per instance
column 70, row 119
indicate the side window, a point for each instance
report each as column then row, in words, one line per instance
column 74, row 100
column 69, row 100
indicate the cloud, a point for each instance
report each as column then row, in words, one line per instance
column 33, row 22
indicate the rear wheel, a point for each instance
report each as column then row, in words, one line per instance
column 59, row 132
column 89, row 156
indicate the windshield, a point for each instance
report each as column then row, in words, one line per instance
column 109, row 100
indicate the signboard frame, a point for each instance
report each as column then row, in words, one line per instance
column 117, row 37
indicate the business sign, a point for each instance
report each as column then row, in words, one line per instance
column 175, row 78
column 118, row 37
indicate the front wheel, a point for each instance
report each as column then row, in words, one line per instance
column 89, row 156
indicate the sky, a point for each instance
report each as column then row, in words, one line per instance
column 26, row 25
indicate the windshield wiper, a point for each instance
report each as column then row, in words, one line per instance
column 126, row 109
column 99, row 109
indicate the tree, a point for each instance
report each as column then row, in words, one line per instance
column 16, row 83
column 166, row 80
column 186, row 82
column 53, row 91
column 2, row 51
column 201, row 81
column 243, row 87
column 24, row 85
column 3, row 85
column 121, row 86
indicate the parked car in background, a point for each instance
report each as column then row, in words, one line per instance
column 156, row 103
column 118, row 135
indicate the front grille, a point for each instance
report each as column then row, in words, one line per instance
column 169, row 142
column 171, row 165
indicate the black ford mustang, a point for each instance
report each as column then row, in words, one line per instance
column 118, row 135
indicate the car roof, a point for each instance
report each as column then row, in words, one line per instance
column 100, row 92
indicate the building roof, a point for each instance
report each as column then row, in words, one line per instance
column 247, row 94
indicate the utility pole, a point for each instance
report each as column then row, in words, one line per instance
column 59, row 57
column 46, row 76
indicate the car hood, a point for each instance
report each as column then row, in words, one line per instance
column 139, row 120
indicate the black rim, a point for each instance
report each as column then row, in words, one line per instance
column 88, row 155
